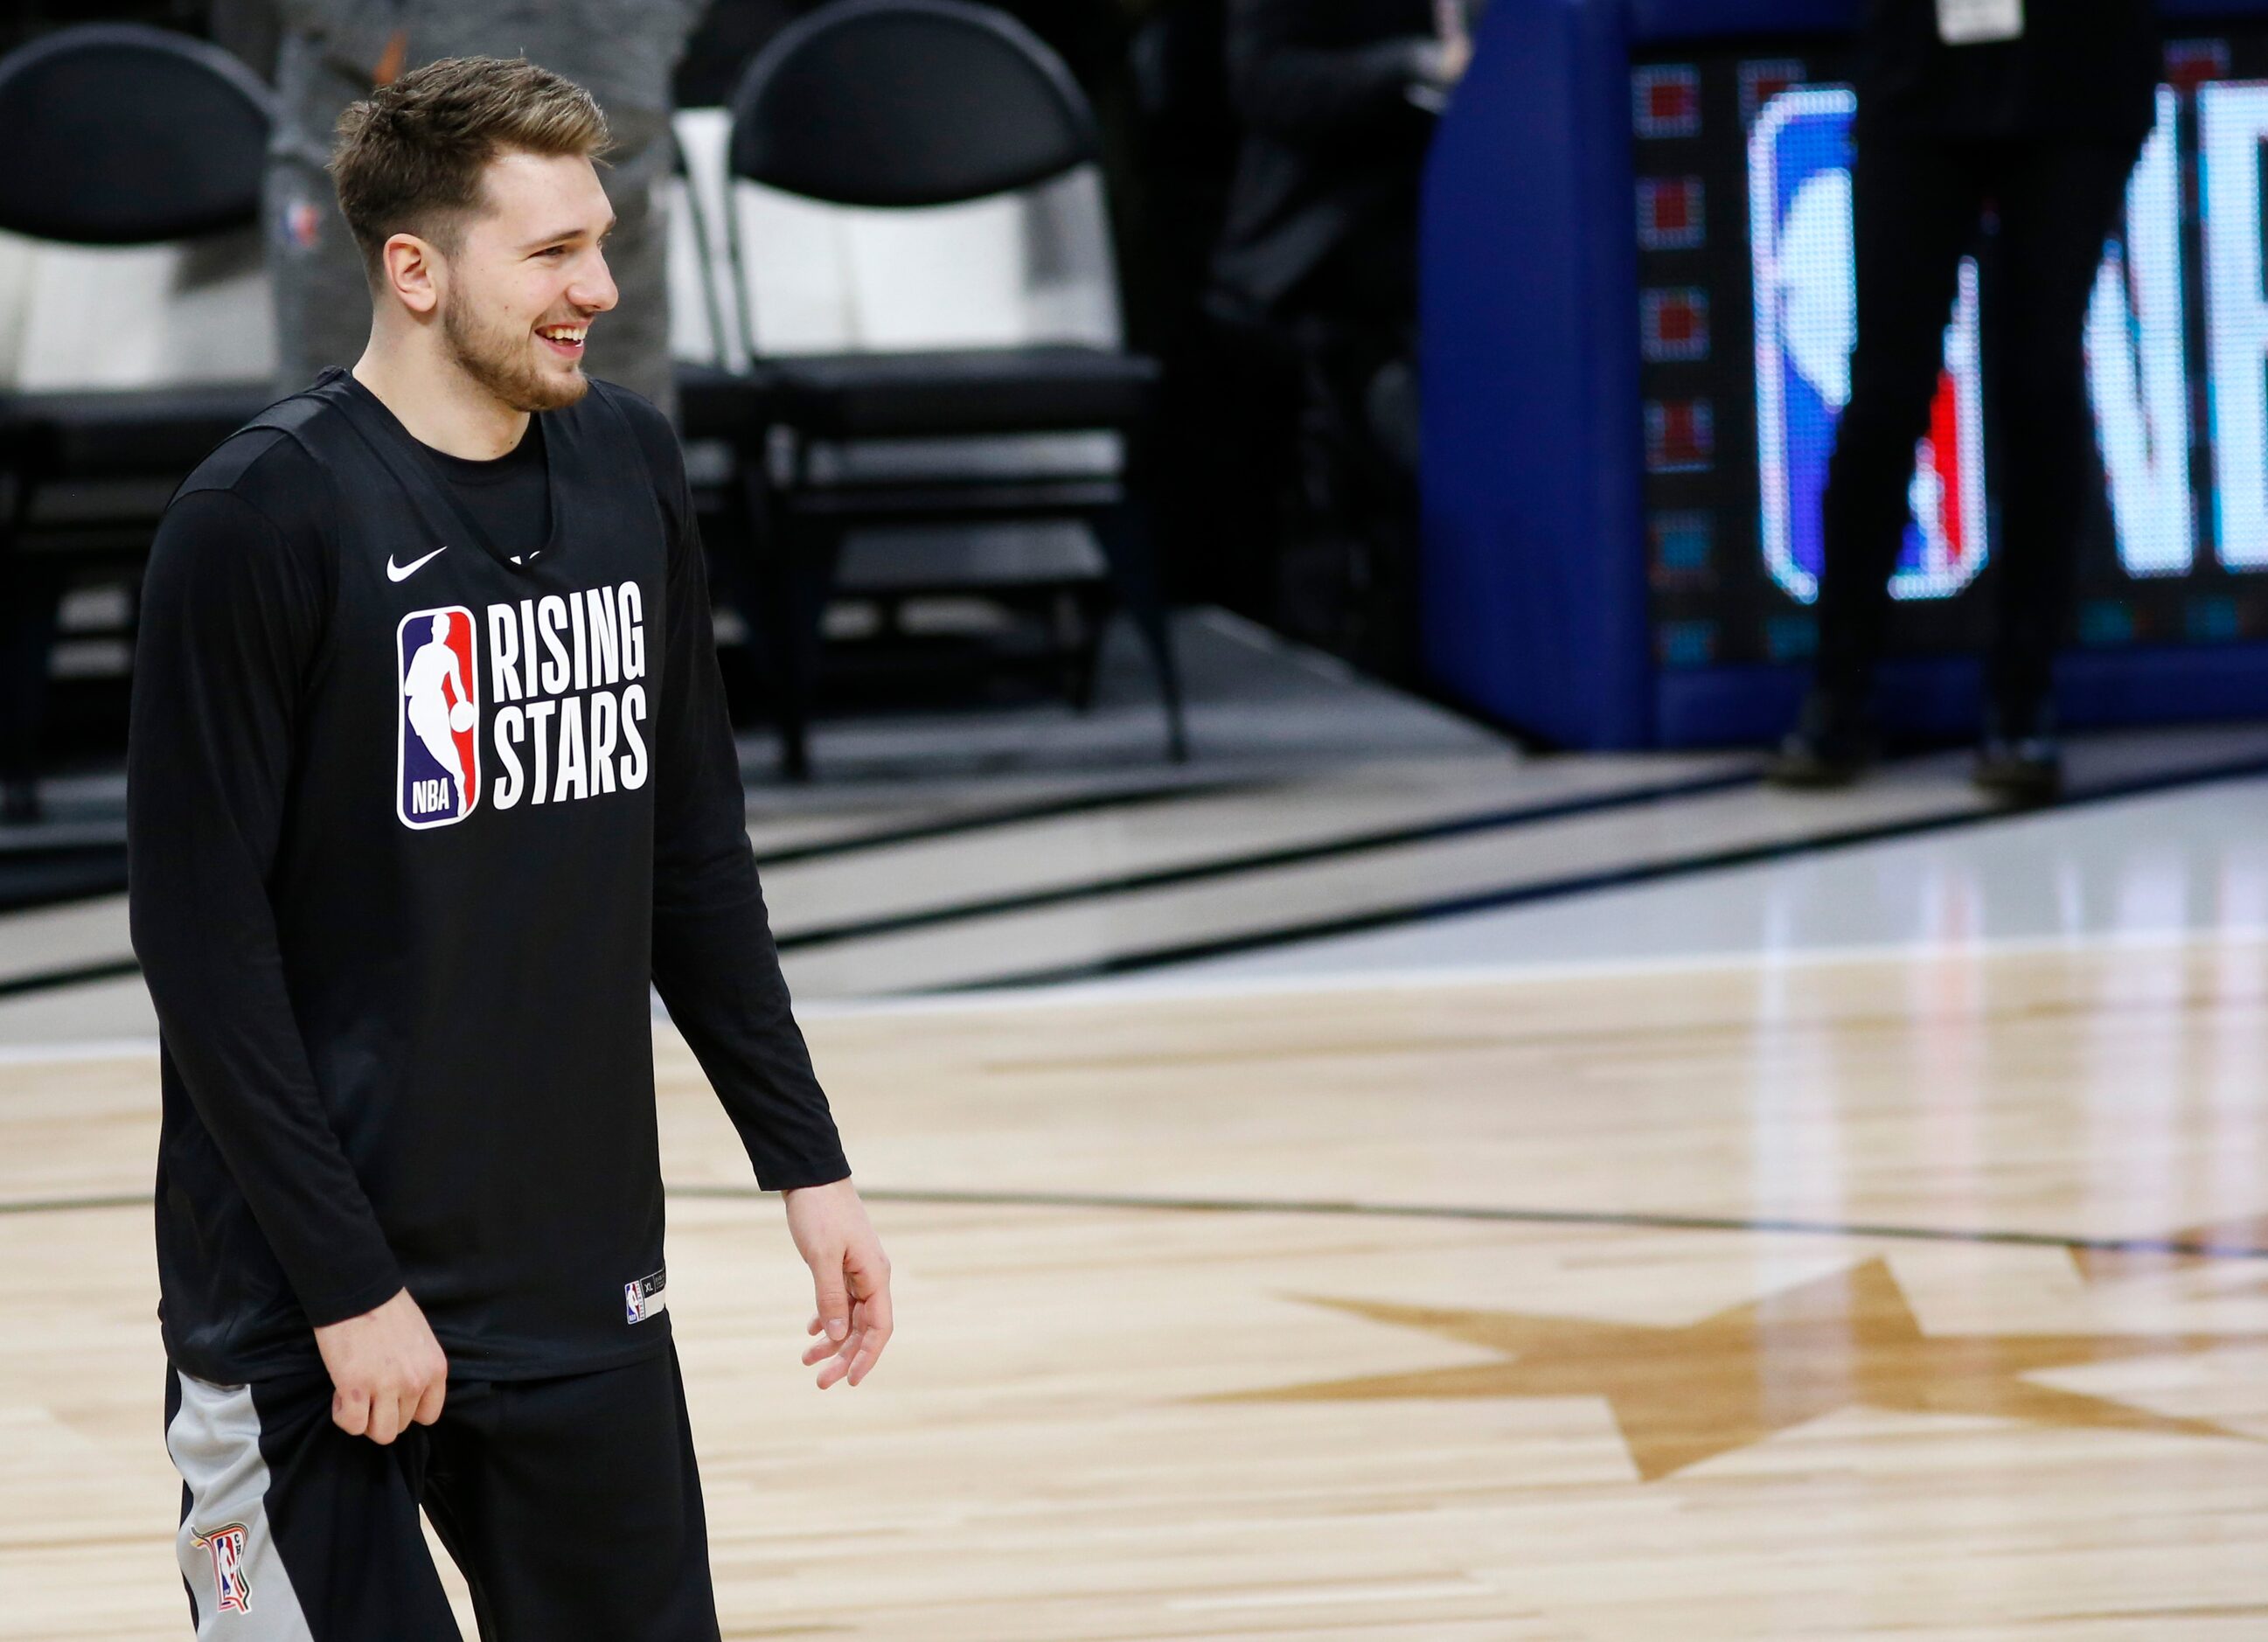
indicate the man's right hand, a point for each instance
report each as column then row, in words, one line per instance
column 386, row 1369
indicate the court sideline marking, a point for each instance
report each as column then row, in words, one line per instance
column 1410, row 913
column 1355, row 1208
column 1504, row 819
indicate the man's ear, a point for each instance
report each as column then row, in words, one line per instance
column 407, row 269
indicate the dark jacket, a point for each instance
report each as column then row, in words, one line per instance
column 1328, row 170
column 2084, row 70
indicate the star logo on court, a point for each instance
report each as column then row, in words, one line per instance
column 1683, row 1394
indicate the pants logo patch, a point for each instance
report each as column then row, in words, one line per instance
column 232, row 1587
column 438, row 765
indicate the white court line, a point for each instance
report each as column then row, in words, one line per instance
column 1202, row 988
column 1437, row 1590
column 87, row 1049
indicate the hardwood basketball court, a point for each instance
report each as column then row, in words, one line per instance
column 1905, row 1294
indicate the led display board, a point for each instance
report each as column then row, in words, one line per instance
column 1745, row 321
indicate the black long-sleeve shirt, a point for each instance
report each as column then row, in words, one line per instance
column 413, row 817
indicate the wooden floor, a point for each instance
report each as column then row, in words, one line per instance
column 1912, row 1296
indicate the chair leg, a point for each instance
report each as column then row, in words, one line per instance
column 768, row 610
column 30, row 596
column 799, row 563
column 1124, row 535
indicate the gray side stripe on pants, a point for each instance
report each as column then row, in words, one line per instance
column 228, row 1555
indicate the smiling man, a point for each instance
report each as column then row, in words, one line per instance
column 430, row 776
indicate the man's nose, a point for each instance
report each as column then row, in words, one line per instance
column 594, row 286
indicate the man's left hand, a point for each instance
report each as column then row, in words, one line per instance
column 850, row 1277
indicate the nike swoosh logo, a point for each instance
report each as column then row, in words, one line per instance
column 404, row 572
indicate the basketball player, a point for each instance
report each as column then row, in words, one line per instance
column 410, row 1207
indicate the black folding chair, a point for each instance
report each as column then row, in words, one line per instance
column 116, row 135
column 901, row 104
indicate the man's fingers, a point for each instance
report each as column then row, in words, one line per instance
column 384, row 1413
column 850, row 1362
column 873, row 1337
column 824, row 1347
column 386, row 1369
column 834, row 1300
column 871, row 1325
column 856, row 1356
column 385, row 1418
column 839, row 1356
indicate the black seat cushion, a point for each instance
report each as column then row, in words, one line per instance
column 158, row 430
column 993, row 390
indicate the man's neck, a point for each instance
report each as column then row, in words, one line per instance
column 439, row 404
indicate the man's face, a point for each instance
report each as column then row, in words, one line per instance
column 530, row 275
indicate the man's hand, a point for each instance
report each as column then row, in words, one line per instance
column 386, row 1369
column 850, row 1274
column 1456, row 42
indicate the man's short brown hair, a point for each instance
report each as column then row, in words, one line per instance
column 410, row 155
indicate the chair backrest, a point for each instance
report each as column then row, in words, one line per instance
column 907, row 102
column 753, row 268
column 117, row 134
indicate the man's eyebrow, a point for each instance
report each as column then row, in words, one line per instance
column 566, row 233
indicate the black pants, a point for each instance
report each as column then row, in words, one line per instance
column 572, row 1504
column 1917, row 206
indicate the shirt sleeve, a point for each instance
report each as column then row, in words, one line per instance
column 714, row 961
column 231, row 613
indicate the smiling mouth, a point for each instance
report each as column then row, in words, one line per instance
column 566, row 341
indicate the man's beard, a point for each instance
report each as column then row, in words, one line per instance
column 500, row 361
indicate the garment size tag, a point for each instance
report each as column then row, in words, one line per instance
column 648, row 1297
column 1979, row 22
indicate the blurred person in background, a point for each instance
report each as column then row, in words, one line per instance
column 1318, row 259
column 332, row 52
column 2036, row 110
column 1216, row 527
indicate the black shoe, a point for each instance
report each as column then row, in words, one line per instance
column 2021, row 767
column 1831, row 747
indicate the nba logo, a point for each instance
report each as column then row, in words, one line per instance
column 438, row 763
column 1805, row 297
column 231, row 1588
